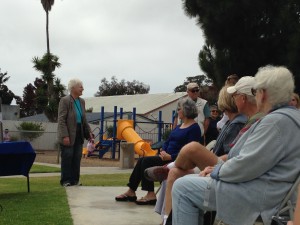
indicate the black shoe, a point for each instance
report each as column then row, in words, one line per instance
column 76, row 183
column 125, row 198
column 66, row 184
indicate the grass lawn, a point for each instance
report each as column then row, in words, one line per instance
column 44, row 169
column 47, row 202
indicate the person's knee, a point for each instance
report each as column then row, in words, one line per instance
column 190, row 149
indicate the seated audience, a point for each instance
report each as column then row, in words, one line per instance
column 231, row 80
column 194, row 153
column 212, row 131
column 184, row 133
column 295, row 101
column 6, row 136
column 260, row 168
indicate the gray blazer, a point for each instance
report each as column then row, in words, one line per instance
column 67, row 119
column 261, row 168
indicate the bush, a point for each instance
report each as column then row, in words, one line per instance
column 30, row 130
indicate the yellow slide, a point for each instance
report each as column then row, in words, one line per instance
column 126, row 132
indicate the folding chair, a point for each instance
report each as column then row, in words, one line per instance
column 286, row 209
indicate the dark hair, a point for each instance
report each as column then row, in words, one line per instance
column 232, row 79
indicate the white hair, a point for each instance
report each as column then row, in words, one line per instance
column 277, row 81
column 73, row 82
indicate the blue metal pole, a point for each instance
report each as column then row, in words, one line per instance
column 114, row 133
column 121, row 113
column 173, row 118
column 101, row 124
column 134, row 117
column 159, row 125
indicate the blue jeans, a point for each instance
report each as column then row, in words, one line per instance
column 191, row 196
column 70, row 163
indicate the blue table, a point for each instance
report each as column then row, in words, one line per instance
column 16, row 158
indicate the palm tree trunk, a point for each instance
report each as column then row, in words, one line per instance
column 47, row 32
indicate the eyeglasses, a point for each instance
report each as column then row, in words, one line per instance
column 253, row 91
column 194, row 91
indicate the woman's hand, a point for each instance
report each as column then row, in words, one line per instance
column 207, row 171
column 165, row 156
column 66, row 141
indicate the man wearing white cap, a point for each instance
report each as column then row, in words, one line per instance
column 203, row 109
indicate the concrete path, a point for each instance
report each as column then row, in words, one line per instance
column 97, row 206
column 91, row 205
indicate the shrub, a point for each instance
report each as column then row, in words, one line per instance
column 30, row 130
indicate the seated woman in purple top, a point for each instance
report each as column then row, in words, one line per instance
column 184, row 133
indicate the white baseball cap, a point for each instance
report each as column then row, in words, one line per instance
column 244, row 86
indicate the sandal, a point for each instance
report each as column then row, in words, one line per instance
column 145, row 201
column 125, row 198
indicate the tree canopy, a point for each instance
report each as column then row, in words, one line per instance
column 46, row 66
column 242, row 36
column 208, row 90
column 114, row 87
column 201, row 80
column 6, row 95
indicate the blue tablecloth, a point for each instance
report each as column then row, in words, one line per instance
column 16, row 158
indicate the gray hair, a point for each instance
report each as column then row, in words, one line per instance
column 251, row 99
column 277, row 81
column 189, row 108
column 73, row 82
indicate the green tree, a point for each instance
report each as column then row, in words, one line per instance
column 242, row 36
column 28, row 104
column 208, row 90
column 41, row 95
column 42, row 65
column 47, row 65
column 35, row 99
column 201, row 80
column 121, row 88
column 6, row 95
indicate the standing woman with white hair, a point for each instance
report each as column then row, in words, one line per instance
column 72, row 129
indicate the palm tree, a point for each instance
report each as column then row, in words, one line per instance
column 47, row 4
column 46, row 65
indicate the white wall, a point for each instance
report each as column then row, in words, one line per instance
column 48, row 140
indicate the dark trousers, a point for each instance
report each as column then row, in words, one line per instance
column 137, row 174
column 70, row 161
column 209, row 218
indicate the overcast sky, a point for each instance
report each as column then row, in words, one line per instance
column 151, row 41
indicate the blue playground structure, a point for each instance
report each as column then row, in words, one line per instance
column 112, row 143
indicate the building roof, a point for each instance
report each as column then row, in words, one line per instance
column 144, row 103
column 90, row 117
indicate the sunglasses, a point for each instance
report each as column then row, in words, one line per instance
column 214, row 111
column 253, row 91
column 293, row 100
column 194, row 91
